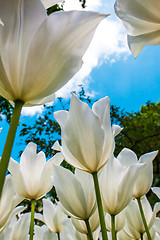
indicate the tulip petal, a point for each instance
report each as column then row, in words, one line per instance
column 46, row 180
column 110, row 177
column 61, row 117
column 156, row 190
column 49, row 213
column 102, row 109
column 16, row 211
column 22, row 228
column 20, row 185
column 116, row 129
column 53, row 216
column 148, row 157
column 127, row 157
column 139, row 17
column 21, row 20
column 137, row 43
column 126, row 185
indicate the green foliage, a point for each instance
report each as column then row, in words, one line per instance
column 141, row 133
column 6, row 109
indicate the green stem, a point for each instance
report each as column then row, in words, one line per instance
column 89, row 235
column 9, row 142
column 58, row 235
column 113, row 227
column 143, row 219
column 32, row 219
column 100, row 207
column 141, row 236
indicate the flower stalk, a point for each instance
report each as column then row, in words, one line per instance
column 32, row 219
column 144, row 219
column 113, row 227
column 141, row 236
column 58, row 236
column 100, row 207
column 9, row 142
column 89, row 235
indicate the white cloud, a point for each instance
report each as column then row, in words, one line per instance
column 91, row 5
column 31, row 111
column 108, row 45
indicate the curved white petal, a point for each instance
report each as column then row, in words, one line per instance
column 46, row 180
column 20, row 185
column 139, row 17
column 53, row 216
column 21, row 229
column 110, row 177
column 125, row 190
column 56, row 146
column 116, row 129
column 156, row 190
column 22, row 20
column 61, row 117
column 148, row 157
column 127, row 157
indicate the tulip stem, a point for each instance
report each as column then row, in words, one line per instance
column 9, row 142
column 141, row 236
column 100, row 207
column 58, row 235
column 89, row 235
column 32, row 219
column 143, row 219
column 113, row 227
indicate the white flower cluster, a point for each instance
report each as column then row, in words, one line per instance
column 105, row 198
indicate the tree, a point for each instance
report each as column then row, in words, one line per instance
column 141, row 133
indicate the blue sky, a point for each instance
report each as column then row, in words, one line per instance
column 132, row 82
column 109, row 70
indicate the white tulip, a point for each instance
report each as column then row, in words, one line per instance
column 53, row 216
column 134, row 226
column 33, row 177
column 144, row 180
column 80, row 225
column 119, row 221
column 43, row 233
column 70, row 232
column 40, row 53
column 9, row 200
column 141, row 19
column 117, row 185
column 75, row 192
column 87, row 136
